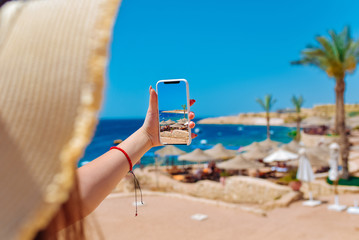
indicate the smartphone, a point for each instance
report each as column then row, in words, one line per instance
column 173, row 110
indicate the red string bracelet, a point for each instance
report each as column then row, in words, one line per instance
column 137, row 184
column 128, row 157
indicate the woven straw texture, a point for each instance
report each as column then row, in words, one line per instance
column 53, row 56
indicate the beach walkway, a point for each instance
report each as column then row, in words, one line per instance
column 169, row 217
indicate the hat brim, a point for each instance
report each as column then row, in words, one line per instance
column 53, row 62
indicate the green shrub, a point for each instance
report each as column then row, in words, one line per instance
column 289, row 177
column 224, row 174
column 292, row 134
column 353, row 114
column 352, row 181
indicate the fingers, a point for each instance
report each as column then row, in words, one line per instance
column 192, row 124
column 191, row 102
column 153, row 100
column 193, row 135
column 191, row 115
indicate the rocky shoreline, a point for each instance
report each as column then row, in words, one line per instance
column 318, row 115
column 239, row 119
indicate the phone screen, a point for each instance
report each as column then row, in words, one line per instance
column 173, row 107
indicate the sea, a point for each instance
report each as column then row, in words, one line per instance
column 231, row 136
column 164, row 116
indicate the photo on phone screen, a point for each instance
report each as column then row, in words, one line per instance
column 173, row 106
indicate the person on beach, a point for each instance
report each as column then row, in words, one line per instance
column 98, row 178
column 53, row 58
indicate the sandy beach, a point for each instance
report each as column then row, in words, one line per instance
column 175, row 111
column 168, row 216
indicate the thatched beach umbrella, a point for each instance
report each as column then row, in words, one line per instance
column 255, row 154
column 254, row 151
column 269, row 145
column 318, row 156
column 182, row 121
column 165, row 152
column 169, row 150
column 293, row 146
column 220, row 152
column 280, row 156
column 239, row 163
column 196, row 155
column 252, row 146
column 170, row 122
column 162, row 123
column 176, row 125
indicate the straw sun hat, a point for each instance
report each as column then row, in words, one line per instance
column 53, row 55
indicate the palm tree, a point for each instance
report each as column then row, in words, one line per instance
column 338, row 57
column 267, row 105
column 184, row 106
column 298, row 102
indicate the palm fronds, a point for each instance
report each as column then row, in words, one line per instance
column 267, row 103
column 336, row 55
column 297, row 102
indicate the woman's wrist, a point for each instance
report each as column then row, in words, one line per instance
column 150, row 143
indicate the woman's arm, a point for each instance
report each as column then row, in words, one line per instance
column 98, row 178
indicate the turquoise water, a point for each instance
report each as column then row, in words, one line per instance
column 173, row 116
column 231, row 136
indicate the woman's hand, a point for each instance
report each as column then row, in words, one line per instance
column 151, row 124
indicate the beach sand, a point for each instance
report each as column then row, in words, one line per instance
column 168, row 140
column 169, row 217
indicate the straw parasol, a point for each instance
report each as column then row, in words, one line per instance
column 293, row 146
column 255, row 154
column 182, row 121
column 176, row 125
column 318, row 156
column 269, row 145
column 196, row 155
column 252, row 146
column 280, row 156
column 220, row 152
column 170, row 122
column 165, row 152
column 163, row 123
column 169, row 150
column 239, row 163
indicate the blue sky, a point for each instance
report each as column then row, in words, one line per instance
column 231, row 52
column 171, row 96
